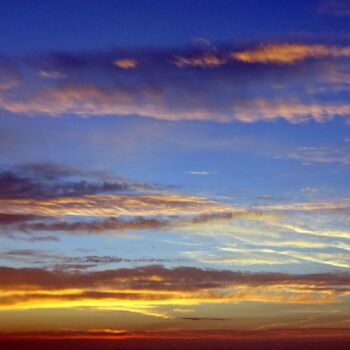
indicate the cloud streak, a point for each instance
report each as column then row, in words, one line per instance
column 228, row 83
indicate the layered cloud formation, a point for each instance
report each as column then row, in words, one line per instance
column 145, row 289
column 294, row 81
column 50, row 202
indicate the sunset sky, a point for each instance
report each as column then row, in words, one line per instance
column 174, row 170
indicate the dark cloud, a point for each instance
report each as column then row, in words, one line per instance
column 204, row 319
column 110, row 224
column 51, row 191
column 157, row 277
column 47, row 180
column 64, row 263
column 14, row 186
column 31, row 224
column 93, row 261
column 10, row 219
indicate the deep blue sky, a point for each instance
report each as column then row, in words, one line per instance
column 38, row 25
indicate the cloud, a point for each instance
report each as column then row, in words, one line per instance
column 47, row 197
column 201, row 173
column 311, row 206
column 242, row 257
column 228, row 83
column 114, row 205
column 292, row 111
column 277, row 53
column 51, row 74
column 110, row 224
column 161, row 212
column 286, row 53
column 204, row 61
column 259, row 254
column 125, row 63
column 47, row 180
column 143, row 289
column 204, row 319
column 289, row 236
column 9, row 219
column 157, row 276
column 61, row 262
column 326, row 154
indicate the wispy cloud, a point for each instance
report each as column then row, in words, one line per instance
column 229, row 83
column 201, row 173
column 57, row 261
column 46, row 197
column 326, row 154
column 287, row 53
column 277, row 233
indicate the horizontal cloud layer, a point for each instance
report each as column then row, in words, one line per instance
column 227, row 83
column 145, row 288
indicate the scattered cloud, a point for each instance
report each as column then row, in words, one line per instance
column 224, row 84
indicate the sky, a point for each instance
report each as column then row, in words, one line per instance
column 173, row 171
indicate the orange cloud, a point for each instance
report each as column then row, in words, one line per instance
column 93, row 100
column 159, row 90
column 292, row 111
column 286, row 53
column 125, row 63
column 279, row 53
column 114, row 205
